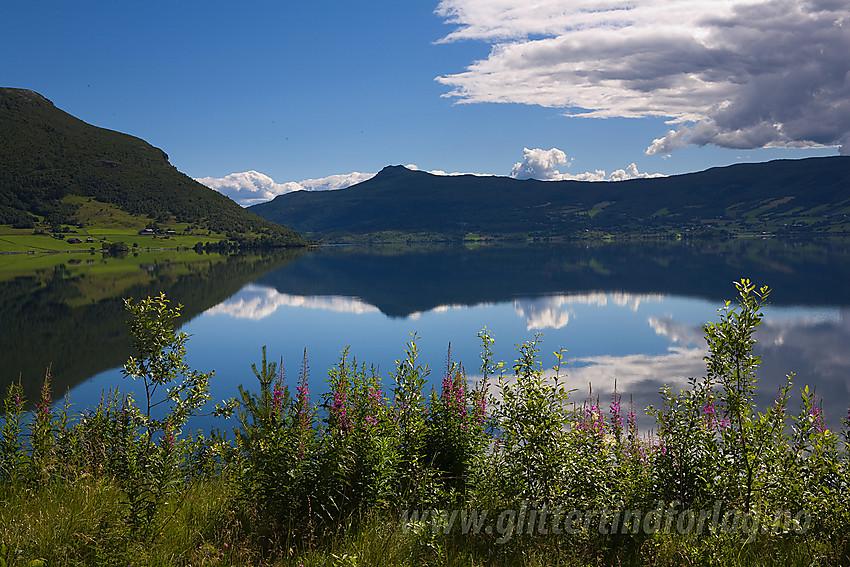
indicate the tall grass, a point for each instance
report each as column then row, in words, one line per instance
column 500, row 472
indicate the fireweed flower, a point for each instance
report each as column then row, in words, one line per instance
column 631, row 421
column 302, row 401
column 376, row 395
column 340, row 410
column 374, row 398
column 167, row 440
column 709, row 416
column 616, row 417
column 14, row 401
column 595, row 420
column 454, row 392
column 277, row 398
column 816, row 419
column 42, row 414
column 277, row 391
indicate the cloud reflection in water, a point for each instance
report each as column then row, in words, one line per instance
column 258, row 302
column 553, row 311
column 811, row 343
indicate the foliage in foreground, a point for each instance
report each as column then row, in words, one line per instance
column 377, row 475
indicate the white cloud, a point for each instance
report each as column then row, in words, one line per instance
column 631, row 172
column 733, row 73
column 544, row 313
column 541, row 164
column 248, row 187
column 252, row 187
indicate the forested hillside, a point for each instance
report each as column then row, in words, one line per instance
column 47, row 155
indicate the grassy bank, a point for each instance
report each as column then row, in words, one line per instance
column 503, row 471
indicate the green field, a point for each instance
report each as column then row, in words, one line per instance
column 103, row 224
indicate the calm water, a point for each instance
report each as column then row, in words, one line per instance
column 626, row 312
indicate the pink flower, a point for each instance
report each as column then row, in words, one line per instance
column 816, row 419
column 302, row 400
column 616, row 418
column 277, row 398
column 340, row 411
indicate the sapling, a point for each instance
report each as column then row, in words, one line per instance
column 161, row 363
column 168, row 382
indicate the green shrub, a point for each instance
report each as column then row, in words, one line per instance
column 325, row 482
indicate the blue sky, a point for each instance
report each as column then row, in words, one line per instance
column 304, row 91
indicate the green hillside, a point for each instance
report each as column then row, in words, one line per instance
column 786, row 196
column 50, row 159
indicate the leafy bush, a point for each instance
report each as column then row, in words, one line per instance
column 308, row 475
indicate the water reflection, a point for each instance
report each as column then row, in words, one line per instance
column 809, row 341
column 258, row 302
column 811, row 344
column 73, row 318
column 626, row 312
column 553, row 312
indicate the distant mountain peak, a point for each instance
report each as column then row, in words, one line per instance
column 26, row 93
column 394, row 170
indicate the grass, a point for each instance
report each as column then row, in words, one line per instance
column 19, row 241
column 82, row 523
column 104, row 223
column 598, row 207
column 61, row 523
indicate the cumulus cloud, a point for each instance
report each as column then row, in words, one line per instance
column 539, row 164
column 732, row 73
column 542, row 165
column 252, row 187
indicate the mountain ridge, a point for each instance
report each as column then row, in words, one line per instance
column 811, row 195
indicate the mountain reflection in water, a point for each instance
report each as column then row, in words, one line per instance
column 638, row 325
column 630, row 312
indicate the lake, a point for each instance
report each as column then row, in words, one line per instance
column 629, row 312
